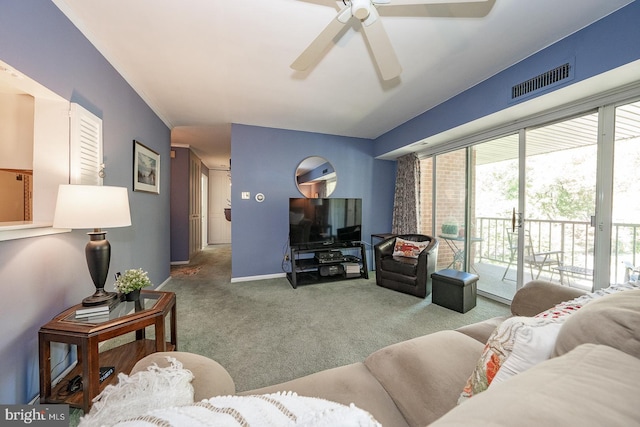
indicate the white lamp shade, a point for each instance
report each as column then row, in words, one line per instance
column 92, row 206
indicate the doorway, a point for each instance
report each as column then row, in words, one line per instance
column 205, row 209
column 219, row 200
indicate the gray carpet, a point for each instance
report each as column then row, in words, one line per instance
column 265, row 332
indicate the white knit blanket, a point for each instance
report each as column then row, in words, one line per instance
column 164, row 397
column 270, row 410
column 153, row 388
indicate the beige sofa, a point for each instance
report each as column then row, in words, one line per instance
column 593, row 380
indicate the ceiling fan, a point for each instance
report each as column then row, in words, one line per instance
column 366, row 12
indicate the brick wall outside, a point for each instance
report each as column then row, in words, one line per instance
column 450, row 199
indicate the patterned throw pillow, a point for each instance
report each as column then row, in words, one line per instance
column 516, row 345
column 408, row 248
column 522, row 342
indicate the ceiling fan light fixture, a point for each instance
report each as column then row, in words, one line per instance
column 361, row 8
column 366, row 11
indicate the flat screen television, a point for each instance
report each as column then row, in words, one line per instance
column 324, row 222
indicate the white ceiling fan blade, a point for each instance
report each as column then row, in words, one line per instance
column 383, row 51
column 317, row 47
column 418, row 2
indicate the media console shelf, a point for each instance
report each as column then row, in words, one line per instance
column 328, row 264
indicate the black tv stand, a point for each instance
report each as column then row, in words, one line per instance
column 311, row 265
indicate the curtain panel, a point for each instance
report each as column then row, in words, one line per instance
column 406, row 204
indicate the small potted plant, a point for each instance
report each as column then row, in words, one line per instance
column 131, row 282
column 450, row 227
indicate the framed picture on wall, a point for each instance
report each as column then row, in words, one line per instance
column 146, row 169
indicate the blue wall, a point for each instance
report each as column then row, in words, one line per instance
column 265, row 160
column 42, row 276
column 607, row 44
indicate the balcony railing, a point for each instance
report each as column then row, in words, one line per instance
column 575, row 240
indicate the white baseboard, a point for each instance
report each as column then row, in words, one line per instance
column 162, row 284
column 179, row 262
column 262, row 277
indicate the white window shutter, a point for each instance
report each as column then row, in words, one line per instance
column 86, row 147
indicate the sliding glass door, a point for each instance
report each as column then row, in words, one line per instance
column 555, row 201
column 625, row 229
column 560, row 195
column 494, row 183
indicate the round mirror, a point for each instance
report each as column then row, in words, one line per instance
column 315, row 177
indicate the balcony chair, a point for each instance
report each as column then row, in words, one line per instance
column 534, row 260
column 405, row 273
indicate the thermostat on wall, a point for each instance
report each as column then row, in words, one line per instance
column 260, row 197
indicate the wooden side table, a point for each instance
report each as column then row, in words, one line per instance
column 87, row 334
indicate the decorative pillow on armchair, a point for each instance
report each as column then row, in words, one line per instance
column 408, row 248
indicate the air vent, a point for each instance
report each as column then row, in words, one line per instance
column 541, row 81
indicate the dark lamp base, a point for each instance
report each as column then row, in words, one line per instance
column 101, row 297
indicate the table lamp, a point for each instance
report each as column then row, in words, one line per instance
column 94, row 207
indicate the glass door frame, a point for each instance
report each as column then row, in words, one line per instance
column 606, row 104
column 604, row 196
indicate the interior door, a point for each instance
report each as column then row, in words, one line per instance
column 195, row 205
column 204, row 195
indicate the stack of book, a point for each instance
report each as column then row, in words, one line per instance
column 93, row 314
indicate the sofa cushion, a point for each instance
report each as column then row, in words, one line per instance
column 481, row 331
column 613, row 320
column 425, row 375
column 539, row 295
column 400, row 265
column 408, row 248
column 590, row 386
column 345, row 384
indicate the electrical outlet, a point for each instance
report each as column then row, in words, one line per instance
column 246, row 195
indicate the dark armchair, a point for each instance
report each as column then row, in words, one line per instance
column 409, row 275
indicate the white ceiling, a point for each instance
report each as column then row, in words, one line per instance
column 204, row 64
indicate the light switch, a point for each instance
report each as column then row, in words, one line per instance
column 246, row 195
